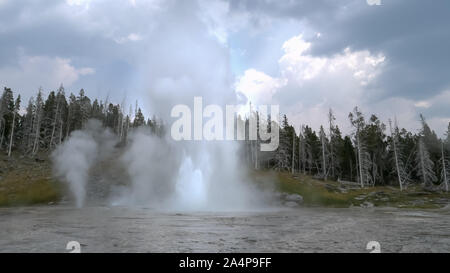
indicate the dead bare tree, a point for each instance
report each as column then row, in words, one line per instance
column 444, row 168
column 37, row 123
column 399, row 168
column 15, row 112
column 324, row 158
column 424, row 164
column 293, row 151
column 57, row 118
column 331, row 120
column 362, row 156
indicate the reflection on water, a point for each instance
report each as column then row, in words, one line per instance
column 105, row 229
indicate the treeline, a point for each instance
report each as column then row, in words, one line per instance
column 374, row 154
column 49, row 121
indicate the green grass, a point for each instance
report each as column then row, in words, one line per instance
column 333, row 194
column 24, row 181
column 27, row 182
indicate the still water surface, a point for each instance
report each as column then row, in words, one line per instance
column 118, row 229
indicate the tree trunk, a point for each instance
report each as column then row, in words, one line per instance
column 256, row 156
column 323, row 157
column 37, row 133
column 444, row 168
column 69, row 116
column 12, row 134
column 299, row 152
column 1, row 130
column 396, row 159
column 54, row 124
column 1, row 137
column 293, row 152
column 331, row 145
column 60, row 131
column 359, row 159
column 351, row 170
column 422, row 162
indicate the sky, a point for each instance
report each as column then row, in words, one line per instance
column 388, row 57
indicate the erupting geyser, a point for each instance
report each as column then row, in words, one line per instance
column 162, row 174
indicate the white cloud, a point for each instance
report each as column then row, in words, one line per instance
column 258, row 87
column 299, row 66
column 422, row 104
column 83, row 3
column 132, row 37
column 441, row 100
column 32, row 72
column 190, row 43
column 309, row 85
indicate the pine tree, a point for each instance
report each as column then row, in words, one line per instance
column 447, row 139
column 375, row 141
column 27, row 140
column 139, row 120
column 347, row 159
column 71, row 115
column 6, row 114
column 85, row 108
column 313, row 150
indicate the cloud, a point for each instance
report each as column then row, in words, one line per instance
column 309, row 85
column 415, row 47
column 422, row 104
column 436, row 106
column 78, row 2
column 301, row 67
column 165, row 52
column 32, row 72
column 132, row 37
column 258, row 87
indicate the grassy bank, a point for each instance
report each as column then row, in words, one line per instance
column 26, row 181
column 334, row 194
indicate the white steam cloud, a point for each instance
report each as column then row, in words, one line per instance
column 200, row 176
column 74, row 158
column 155, row 172
column 151, row 163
